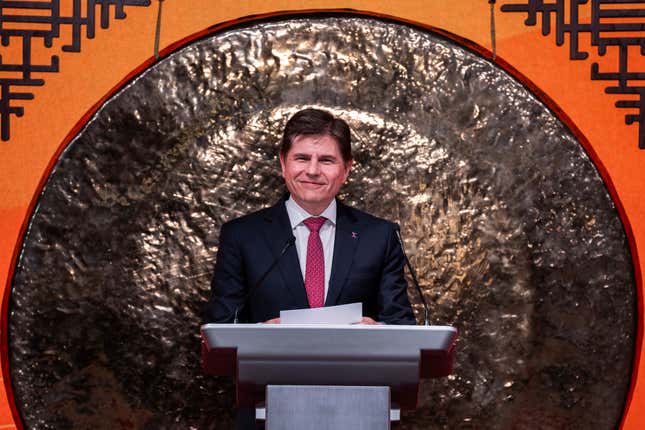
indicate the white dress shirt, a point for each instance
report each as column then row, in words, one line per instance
column 327, row 235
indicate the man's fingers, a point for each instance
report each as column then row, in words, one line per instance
column 367, row 321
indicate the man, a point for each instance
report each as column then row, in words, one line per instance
column 339, row 255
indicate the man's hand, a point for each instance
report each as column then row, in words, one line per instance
column 367, row 321
column 363, row 321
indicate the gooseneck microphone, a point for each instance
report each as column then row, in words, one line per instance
column 397, row 229
column 290, row 242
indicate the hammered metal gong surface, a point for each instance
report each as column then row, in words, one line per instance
column 511, row 229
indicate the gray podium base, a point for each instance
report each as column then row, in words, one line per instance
column 313, row 407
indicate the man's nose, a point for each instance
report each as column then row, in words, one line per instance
column 313, row 168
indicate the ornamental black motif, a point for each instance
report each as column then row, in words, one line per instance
column 613, row 23
column 29, row 22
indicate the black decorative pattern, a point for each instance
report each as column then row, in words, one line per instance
column 24, row 22
column 617, row 23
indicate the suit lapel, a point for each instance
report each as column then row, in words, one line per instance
column 345, row 243
column 277, row 232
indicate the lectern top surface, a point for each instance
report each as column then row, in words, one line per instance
column 260, row 326
column 319, row 340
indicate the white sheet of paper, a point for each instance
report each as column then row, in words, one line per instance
column 342, row 314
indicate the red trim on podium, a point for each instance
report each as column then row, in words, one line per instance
column 220, row 361
column 436, row 364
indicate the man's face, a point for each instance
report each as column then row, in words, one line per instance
column 314, row 171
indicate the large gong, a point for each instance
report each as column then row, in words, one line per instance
column 515, row 238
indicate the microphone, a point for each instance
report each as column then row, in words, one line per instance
column 397, row 229
column 290, row 242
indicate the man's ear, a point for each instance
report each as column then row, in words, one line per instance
column 348, row 167
column 281, row 157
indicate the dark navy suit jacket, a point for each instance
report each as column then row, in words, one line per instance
column 367, row 267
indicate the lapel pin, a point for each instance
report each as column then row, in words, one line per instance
column 354, row 235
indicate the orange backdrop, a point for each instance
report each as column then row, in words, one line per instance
column 87, row 78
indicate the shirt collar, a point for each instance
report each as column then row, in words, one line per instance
column 297, row 214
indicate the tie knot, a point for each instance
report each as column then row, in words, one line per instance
column 314, row 223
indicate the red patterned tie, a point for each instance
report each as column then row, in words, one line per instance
column 315, row 270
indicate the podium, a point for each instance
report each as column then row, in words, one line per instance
column 327, row 376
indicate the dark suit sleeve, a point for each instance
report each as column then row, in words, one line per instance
column 228, row 287
column 393, row 302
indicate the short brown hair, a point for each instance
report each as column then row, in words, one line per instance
column 317, row 122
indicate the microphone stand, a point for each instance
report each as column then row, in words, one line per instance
column 397, row 229
column 290, row 242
